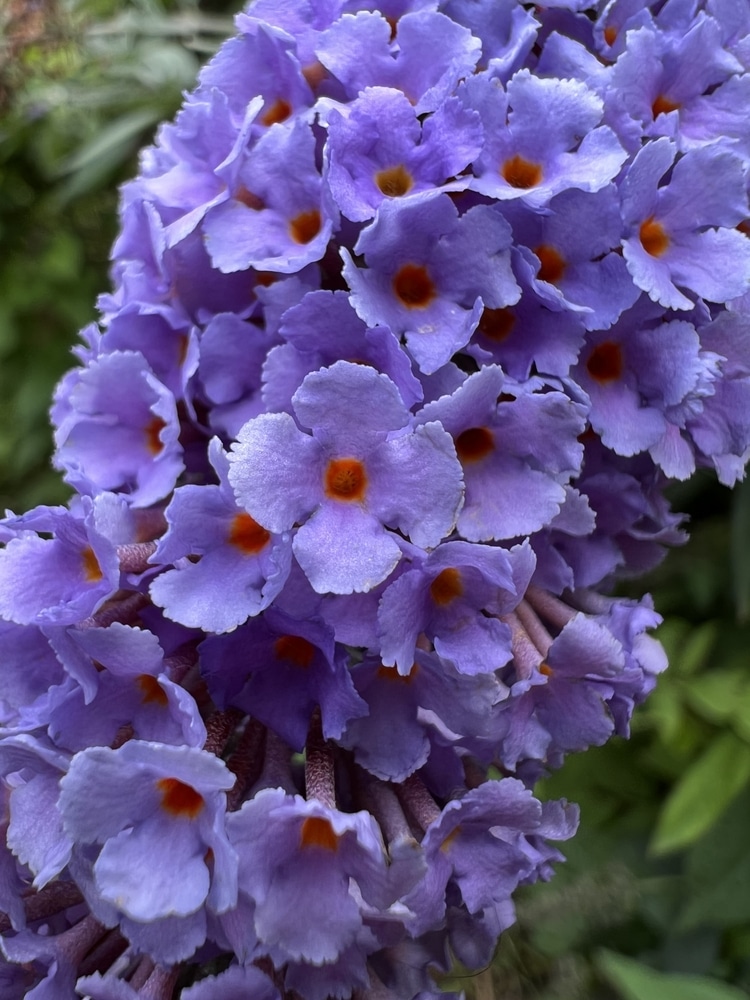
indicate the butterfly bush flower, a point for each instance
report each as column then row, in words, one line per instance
column 350, row 479
column 417, row 307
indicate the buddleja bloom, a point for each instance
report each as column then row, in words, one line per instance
column 348, row 480
column 416, row 310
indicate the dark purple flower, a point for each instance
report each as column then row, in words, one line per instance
column 279, row 669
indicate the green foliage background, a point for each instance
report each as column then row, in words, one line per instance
column 654, row 902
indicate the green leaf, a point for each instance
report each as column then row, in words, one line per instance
column 724, row 902
column 714, row 695
column 740, row 717
column 113, row 141
column 634, row 981
column 740, row 529
column 665, row 711
column 696, row 648
column 702, row 794
column 717, row 869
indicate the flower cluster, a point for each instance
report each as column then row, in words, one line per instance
column 416, row 310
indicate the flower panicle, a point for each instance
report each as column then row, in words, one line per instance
column 415, row 314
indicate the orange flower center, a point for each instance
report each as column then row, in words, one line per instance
column 294, row 649
column 446, row 586
column 317, row 832
column 450, row 838
column 247, row 535
column 248, row 199
column 653, row 237
column 279, row 111
column 345, row 479
column 521, row 173
column 474, row 443
column 392, row 674
column 605, row 363
column 305, row 226
column 152, row 430
column 92, row 571
column 179, row 799
column 413, row 286
column 394, row 182
column 315, row 73
column 496, row 324
column 552, row 263
column 663, row 105
column 151, row 690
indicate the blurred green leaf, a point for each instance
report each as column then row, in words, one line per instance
column 634, row 981
column 113, row 141
column 740, row 550
column 164, row 64
column 694, row 651
column 666, row 712
column 718, row 872
column 715, row 694
column 702, row 794
column 724, row 902
column 741, row 715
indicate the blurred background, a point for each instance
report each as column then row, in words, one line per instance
column 654, row 901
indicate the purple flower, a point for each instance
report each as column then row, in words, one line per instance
column 487, row 843
column 541, row 137
column 417, row 306
column 260, row 62
column 321, row 330
column 350, row 480
column 433, row 54
column 721, row 431
column 117, row 429
column 31, row 670
column 241, row 566
column 280, row 218
column 514, row 479
column 58, row 580
column 154, row 817
column 569, row 257
column 674, row 228
column 382, row 150
column 301, row 857
column 456, row 598
column 666, row 76
column 393, row 739
column 44, row 847
column 132, row 689
column 239, row 982
column 645, row 381
column 279, row 669
column 429, row 272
